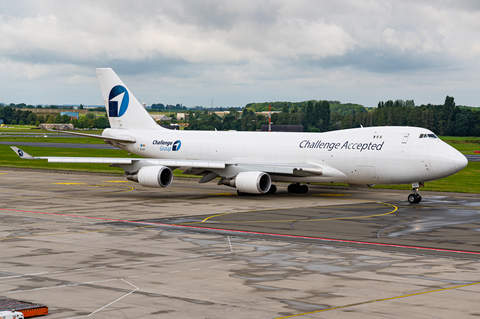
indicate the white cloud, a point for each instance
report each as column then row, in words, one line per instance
column 256, row 47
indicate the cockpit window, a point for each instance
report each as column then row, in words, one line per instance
column 428, row 136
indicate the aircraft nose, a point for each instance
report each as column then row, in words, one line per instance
column 460, row 161
column 446, row 160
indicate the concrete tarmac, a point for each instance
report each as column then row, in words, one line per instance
column 99, row 246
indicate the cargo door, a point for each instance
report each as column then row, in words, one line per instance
column 367, row 174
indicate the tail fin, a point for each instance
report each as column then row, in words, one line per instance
column 123, row 109
column 22, row 154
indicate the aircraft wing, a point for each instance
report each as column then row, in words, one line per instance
column 121, row 139
column 198, row 167
column 121, row 160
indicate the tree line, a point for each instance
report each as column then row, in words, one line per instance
column 26, row 117
column 447, row 119
column 315, row 116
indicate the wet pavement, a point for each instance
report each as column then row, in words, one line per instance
column 98, row 246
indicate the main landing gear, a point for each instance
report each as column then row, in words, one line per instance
column 415, row 198
column 297, row 188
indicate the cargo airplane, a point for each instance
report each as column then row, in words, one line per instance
column 251, row 161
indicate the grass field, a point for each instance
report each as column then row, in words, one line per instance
column 31, row 129
column 10, row 159
column 51, row 139
column 466, row 145
column 466, row 181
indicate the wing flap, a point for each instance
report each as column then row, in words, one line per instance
column 186, row 163
column 298, row 170
column 92, row 160
column 267, row 168
column 120, row 139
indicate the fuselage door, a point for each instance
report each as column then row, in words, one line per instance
column 367, row 174
column 405, row 138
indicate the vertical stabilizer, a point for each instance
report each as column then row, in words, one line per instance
column 123, row 109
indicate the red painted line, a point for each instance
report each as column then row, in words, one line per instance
column 253, row 233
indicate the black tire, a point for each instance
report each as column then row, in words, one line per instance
column 419, row 198
column 412, row 199
column 272, row 190
column 304, row 189
column 291, row 188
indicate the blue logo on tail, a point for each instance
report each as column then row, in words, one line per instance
column 114, row 110
column 176, row 146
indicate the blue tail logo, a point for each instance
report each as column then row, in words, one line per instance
column 176, row 146
column 118, row 94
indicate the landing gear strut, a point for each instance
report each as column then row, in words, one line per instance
column 297, row 188
column 415, row 198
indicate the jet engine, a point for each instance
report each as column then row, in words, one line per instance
column 251, row 182
column 153, row 176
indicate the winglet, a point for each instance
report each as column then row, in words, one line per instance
column 22, row 154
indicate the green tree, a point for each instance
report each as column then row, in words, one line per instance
column 32, row 118
column 325, row 116
column 101, row 122
column 51, row 118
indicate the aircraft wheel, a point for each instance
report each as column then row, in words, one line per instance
column 304, row 189
column 411, row 199
column 291, row 188
column 297, row 188
column 414, row 198
column 272, row 190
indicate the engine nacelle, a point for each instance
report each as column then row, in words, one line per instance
column 252, row 182
column 154, row 176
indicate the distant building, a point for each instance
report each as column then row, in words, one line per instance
column 283, row 128
column 1, row 122
column 161, row 117
column 266, row 113
column 63, row 127
column 73, row 115
column 222, row 113
column 181, row 116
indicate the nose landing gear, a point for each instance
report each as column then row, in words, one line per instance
column 415, row 198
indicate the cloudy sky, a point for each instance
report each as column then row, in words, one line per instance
column 236, row 52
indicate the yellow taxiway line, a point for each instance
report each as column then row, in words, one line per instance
column 378, row 300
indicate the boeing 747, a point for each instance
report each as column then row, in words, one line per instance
column 252, row 161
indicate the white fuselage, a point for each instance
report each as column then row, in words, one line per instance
column 373, row 155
